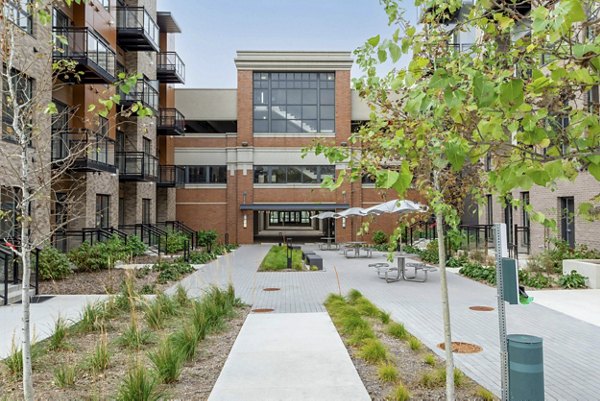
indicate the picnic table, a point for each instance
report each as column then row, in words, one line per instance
column 392, row 274
column 329, row 244
column 356, row 246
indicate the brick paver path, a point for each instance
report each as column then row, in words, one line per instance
column 571, row 346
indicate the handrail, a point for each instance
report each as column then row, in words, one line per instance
column 137, row 18
column 171, row 118
column 140, row 164
column 143, row 92
column 170, row 61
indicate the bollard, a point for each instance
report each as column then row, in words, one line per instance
column 525, row 368
column 289, row 253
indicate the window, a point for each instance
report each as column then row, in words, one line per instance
column 205, row 174
column 9, row 201
column 60, row 210
column 281, row 218
column 23, row 88
column 525, row 202
column 105, row 3
column 594, row 100
column 489, row 209
column 102, row 211
column 294, row 102
column 567, row 220
column 19, row 13
column 292, row 174
column 60, row 19
column 146, row 211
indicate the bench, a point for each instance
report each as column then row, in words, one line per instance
column 305, row 255
column 314, row 260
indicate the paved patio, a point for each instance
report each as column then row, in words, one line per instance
column 571, row 349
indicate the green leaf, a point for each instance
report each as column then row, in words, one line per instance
column 594, row 170
column 374, row 41
column 394, row 52
column 382, row 55
column 511, row 93
column 483, row 91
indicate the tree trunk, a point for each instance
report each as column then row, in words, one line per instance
column 439, row 223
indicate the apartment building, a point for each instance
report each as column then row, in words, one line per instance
column 245, row 173
column 108, row 171
column 560, row 202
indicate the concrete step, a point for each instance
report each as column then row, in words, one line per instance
column 14, row 293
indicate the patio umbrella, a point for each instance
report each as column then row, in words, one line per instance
column 396, row 206
column 353, row 211
column 323, row 215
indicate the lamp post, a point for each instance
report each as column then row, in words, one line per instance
column 289, row 252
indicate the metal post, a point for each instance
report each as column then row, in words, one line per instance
column 6, row 280
column 516, row 241
column 289, row 253
column 500, row 239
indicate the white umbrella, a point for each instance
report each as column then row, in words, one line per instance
column 396, row 206
column 353, row 211
column 323, row 215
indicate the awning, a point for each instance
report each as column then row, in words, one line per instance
column 292, row 207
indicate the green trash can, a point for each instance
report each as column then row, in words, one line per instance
column 525, row 368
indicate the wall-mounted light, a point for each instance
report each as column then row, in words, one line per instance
column 344, row 144
column 244, row 144
column 343, row 222
column 245, row 224
column 244, row 197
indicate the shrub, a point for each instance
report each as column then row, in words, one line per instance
column 373, row 351
column 200, row 258
column 399, row 393
column 140, row 385
column 171, row 271
column 185, row 341
column 572, row 280
column 53, row 264
column 430, row 253
column 135, row 246
column 380, row 238
column 398, row 331
column 64, row 376
column 88, row 258
column 176, row 241
column 387, row 372
column 168, row 362
column 538, row 280
column 476, row 271
column 207, row 238
column 454, row 261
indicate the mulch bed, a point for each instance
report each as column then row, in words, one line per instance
column 195, row 383
column 462, row 348
column 410, row 365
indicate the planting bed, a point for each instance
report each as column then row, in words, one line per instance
column 224, row 318
column 392, row 363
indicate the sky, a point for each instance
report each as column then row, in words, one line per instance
column 213, row 30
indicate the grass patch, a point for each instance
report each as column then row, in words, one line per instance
column 58, row 339
column 360, row 335
column 92, row 318
column 135, row 337
column 437, row 378
column 430, row 360
column 276, row 259
column 64, row 376
column 385, row 317
column 354, row 295
column 373, row 351
column 484, row 394
column 154, row 315
column 99, row 360
column 168, row 361
column 397, row 330
column 14, row 361
column 387, row 373
column 366, row 308
column 414, row 343
column 399, row 393
column 185, row 341
column 139, row 384
column 167, row 304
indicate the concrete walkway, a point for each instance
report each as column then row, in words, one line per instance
column 43, row 316
column 570, row 344
column 580, row 304
column 293, row 356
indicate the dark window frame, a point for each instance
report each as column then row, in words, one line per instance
column 146, row 210
column 26, row 93
column 206, row 174
column 267, row 172
column 102, row 211
column 20, row 10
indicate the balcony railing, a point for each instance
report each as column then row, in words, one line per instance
column 137, row 166
column 96, row 61
column 83, row 151
column 460, row 47
column 170, row 122
column 136, row 29
column 144, row 91
column 170, row 68
column 171, row 176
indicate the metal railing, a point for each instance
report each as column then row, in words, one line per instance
column 144, row 91
column 171, row 176
column 67, row 240
column 170, row 67
column 136, row 29
column 137, row 166
column 83, row 150
column 179, row 226
column 460, row 47
column 420, row 230
column 87, row 48
column 170, row 121
column 12, row 271
column 480, row 236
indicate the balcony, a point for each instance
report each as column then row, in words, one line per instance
column 170, row 122
column 170, row 176
column 96, row 61
column 137, row 166
column 145, row 92
column 136, row 30
column 460, row 47
column 170, row 69
column 83, row 151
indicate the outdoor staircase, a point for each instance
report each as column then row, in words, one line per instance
column 14, row 293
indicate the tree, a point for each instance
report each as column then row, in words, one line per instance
column 515, row 95
column 28, row 114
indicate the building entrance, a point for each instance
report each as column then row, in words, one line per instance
column 272, row 225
